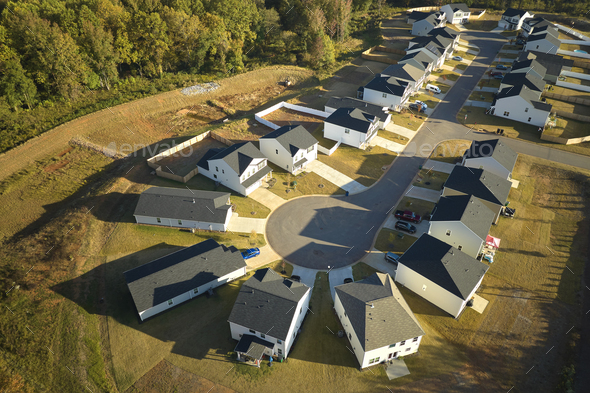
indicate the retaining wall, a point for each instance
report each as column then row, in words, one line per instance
column 331, row 151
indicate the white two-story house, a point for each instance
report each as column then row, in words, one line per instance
column 267, row 315
column 414, row 75
column 456, row 13
column 377, row 320
column 240, row 167
column 348, row 102
column 512, row 19
column 351, row 126
column 387, row 91
column 290, row 147
column 522, row 104
column 430, row 21
column 492, row 155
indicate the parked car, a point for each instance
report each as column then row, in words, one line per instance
column 416, row 107
column 407, row 215
column 295, row 278
column 501, row 67
column 347, row 280
column 250, row 253
column 421, row 103
column 499, row 76
column 494, row 73
column 433, row 88
column 391, row 257
column 458, row 58
column 405, row 226
column 520, row 42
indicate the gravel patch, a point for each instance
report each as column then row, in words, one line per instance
column 200, row 89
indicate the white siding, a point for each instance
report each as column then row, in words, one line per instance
column 353, row 138
column 172, row 222
column 351, row 335
column 385, row 117
column 220, row 171
column 190, row 294
column 544, row 46
column 421, row 28
column 516, row 108
column 428, row 290
column 390, row 100
column 460, row 235
column 490, row 165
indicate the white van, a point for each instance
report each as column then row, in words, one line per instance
column 433, row 88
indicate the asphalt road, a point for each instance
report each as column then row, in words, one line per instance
column 319, row 232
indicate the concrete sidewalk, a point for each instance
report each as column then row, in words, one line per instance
column 443, row 81
column 403, row 131
column 307, row 275
column 387, row 144
column 267, row 198
column 479, row 104
column 452, row 69
column 423, row 193
column 487, row 89
column 439, row 166
column 332, row 175
column 246, row 225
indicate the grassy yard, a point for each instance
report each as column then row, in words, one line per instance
column 581, row 70
column 392, row 136
column 361, row 271
column 308, row 183
column 394, row 241
column 418, row 206
column 577, row 81
column 244, row 205
column 429, row 99
column 568, row 128
column 436, row 179
column 446, row 75
column 464, row 55
column 486, row 22
column 324, row 142
column 482, row 96
column 506, row 63
column 364, row 166
column 450, row 151
column 568, row 106
column 509, row 33
column 512, row 129
column 512, row 47
column 568, row 92
column 504, row 56
column 443, row 88
column 408, row 120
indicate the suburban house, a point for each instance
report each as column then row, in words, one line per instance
column 447, row 32
column 553, row 64
column 512, row 19
column 529, row 23
column 290, row 147
column 387, row 91
column 348, row 102
column 415, row 76
column 420, row 60
column 431, row 21
column 492, row 190
column 530, row 80
column 184, row 208
column 175, row 278
column 456, row 13
column 543, row 39
column 491, row 155
column 441, row 274
column 267, row 316
column 530, row 66
column 443, row 45
column 352, row 126
column 434, row 55
column 463, row 222
column 415, row 16
column 241, row 167
column 377, row 320
column 521, row 104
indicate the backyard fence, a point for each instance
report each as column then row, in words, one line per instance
column 259, row 116
column 564, row 141
column 574, row 86
column 574, row 100
column 577, row 75
column 582, row 64
column 330, row 151
column 381, row 48
column 572, row 53
column 479, row 15
column 573, row 116
column 422, row 9
column 574, row 33
column 368, row 56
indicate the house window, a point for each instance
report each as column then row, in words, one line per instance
column 448, row 232
column 392, row 345
column 300, row 310
column 530, row 118
column 506, row 113
column 402, row 343
column 252, row 331
column 349, row 336
column 280, row 351
column 179, row 222
column 276, row 151
column 279, row 342
column 537, row 46
column 415, row 339
column 196, row 290
column 310, row 149
column 216, row 169
column 215, row 176
column 423, row 287
column 526, row 109
column 243, row 177
column 346, row 131
column 384, row 95
column 170, row 302
column 158, row 220
column 345, row 313
column 460, row 247
column 261, row 165
column 262, row 335
column 222, row 171
column 240, row 335
column 407, row 349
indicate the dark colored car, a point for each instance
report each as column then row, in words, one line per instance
column 405, row 226
column 520, row 42
column 250, row 253
column 391, row 257
column 347, row 280
column 416, row 107
column 296, row 278
column 501, row 67
column 408, row 215
column 499, row 76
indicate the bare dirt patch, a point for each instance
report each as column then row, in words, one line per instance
column 186, row 160
column 284, row 117
column 243, row 130
column 56, row 166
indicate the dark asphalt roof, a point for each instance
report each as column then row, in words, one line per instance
column 349, row 102
column 183, row 204
column 204, row 161
column 162, row 279
column 253, row 346
column 537, row 22
column 300, row 162
column 388, row 321
column 404, row 71
column 418, row 56
column 444, row 265
column 479, row 183
column 542, row 106
column 292, row 138
column 238, row 156
column 534, row 65
column 467, row 209
column 552, row 63
column 549, row 28
column 418, row 15
column 529, row 80
column 387, row 84
column 352, row 118
column 459, row 7
column 444, row 32
column 266, row 303
column 257, row 176
column 511, row 12
column 495, row 148
column 437, row 40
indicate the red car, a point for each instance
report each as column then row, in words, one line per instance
column 496, row 73
column 408, row 215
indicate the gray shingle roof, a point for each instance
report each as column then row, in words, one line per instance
column 266, row 303
column 238, row 156
column 387, row 84
column 253, row 346
column 511, row 12
column 418, row 15
column 534, row 65
column 548, row 28
column 352, row 118
column 529, row 80
column 418, row 56
column 404, row 71
column 530, row 96
column 257, row 176
column 537, row 22
column 183, row 204
column 446, row 32
column 495, row 148
column 547, row 37
column 444, row 265
column 552, row 63
column 467, row 209
column 292, row 138
column 437, row 40
column 479, row 183
column 162, row 279
column 389, row 321
column 349, row 102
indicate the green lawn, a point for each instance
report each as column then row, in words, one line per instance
column 482, row 96
column 324, row 142
column 394, row 241
column 308, row 183
column 446, row 75
column 504, row 56
column 364, row 166
column 244, row 206
column 392, row 136
column 436, row 179
column 361, row 271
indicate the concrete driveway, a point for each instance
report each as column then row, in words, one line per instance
column 338, row 178
column 307, row 275
column 421, row 228
column 246, row 224
column 336, row 277
column 424, row 193
column 387, row 144
column 376, row 259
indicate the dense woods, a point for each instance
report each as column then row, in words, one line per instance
column 60, row 59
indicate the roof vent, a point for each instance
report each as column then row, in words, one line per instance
column 245, row 303
column 466, row 270
column 193, row 200
column 372, row 306
column 252, row 292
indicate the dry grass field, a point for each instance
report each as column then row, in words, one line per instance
column 285, row 117
column 308, row 183
column 186, row 160
column 450, row 151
